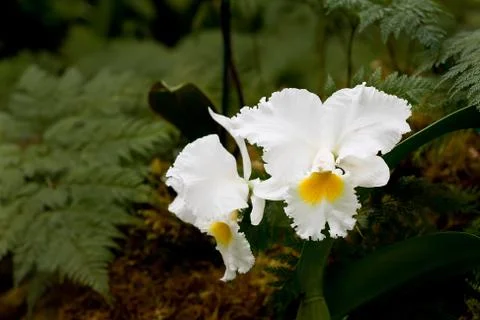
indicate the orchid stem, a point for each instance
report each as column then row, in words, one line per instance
column 227, row 50
column 229, row 68
column 310, row 272
column 236, row 82
column 392, row 54
column 349, row 54
column 225, row 15
column 322, row 50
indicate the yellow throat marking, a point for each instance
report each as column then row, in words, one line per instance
column 221, row 232
column 319, row 186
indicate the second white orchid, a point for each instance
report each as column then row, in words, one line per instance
column 209, row 193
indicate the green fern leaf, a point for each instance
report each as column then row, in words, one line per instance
column 416, row 89
column 370, row 15
column 73, row 158
column 349, row 5
column 424, row 21
column 464, row 75
column 330, row 86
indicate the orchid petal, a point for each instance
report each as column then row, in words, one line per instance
column 231, row 243
column 287, row 126
column 179, row 208
column 211, row 185
column 366, row 172
column 228, row 125
column 271, row 189
column 365, row 121
column 237, row 256
column 258, row 204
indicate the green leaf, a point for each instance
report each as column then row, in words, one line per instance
column 464, row 118
column 186, row 107
column 464, row 75
column 330, row 86
column 424, row 21
column 73, row 162
column 392, row 266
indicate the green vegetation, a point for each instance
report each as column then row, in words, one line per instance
column 113, row 85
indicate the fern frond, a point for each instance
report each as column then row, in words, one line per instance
column 37, row 287
column 370, row 15
column 12, row 69
column 464, row 75
column 413, row 206
column 66, row 241
column 443, row 198
column 111, row 94
column 349, row 5
column 37, row 90
column 105, row 184
column 287, row 258
column 286, row 283
column 417, row 90
column 109, row 139
column 330, row 87
column 461, row 45
column 74, row 156
column 280, row 272
column 420, row 20
column 358, row 77
column 12, row 224
column 38, row 160
column 45, row 199
column 11, row 180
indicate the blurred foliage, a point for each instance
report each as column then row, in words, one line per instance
column 415, row 259
column 464, row 74
column 71, row 167
column 423, row 21
column 77, row 138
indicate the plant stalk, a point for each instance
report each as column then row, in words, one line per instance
column 349, row 54
column 225, row 16
column 229, row 69
column 391, row 53
column 310, row 272
column 322, row 50
column 236, row 83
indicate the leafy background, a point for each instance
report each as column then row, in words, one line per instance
column 84, row 230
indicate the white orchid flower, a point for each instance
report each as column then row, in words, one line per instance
column 316, row 154
column 209, row 193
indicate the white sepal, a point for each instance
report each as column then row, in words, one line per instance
column 210, row 180
column 365, row 121
column 366, row 172
column 258, row 204
column 284, row 126
column 229, row 126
